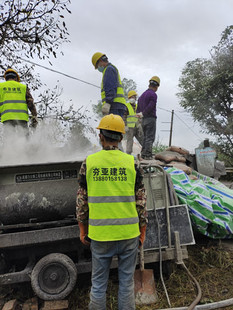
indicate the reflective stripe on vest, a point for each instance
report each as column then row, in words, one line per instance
column 13, row 104
column 106, row 222
column 120, row 96
column 131, row 118
column 111, row 196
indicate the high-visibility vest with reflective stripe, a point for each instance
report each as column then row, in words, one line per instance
column 131, row 118
column 111, row 196
column 120, row 96
column 13, row 104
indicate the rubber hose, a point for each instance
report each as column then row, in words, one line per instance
column 198, row 298
column 213, row 305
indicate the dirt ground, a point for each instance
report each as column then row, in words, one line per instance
column 210, row 262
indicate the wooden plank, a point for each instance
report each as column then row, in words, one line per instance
column 56, row 305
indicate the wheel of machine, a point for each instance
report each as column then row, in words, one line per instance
column 54, row 276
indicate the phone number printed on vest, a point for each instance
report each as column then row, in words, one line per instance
column 109, row 174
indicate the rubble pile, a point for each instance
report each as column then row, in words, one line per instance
column 174, row 156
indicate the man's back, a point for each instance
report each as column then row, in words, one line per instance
column 111, row 196
column 147, row 103
column 13, row 101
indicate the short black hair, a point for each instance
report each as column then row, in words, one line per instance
column 110, row 135
column 104, row 58
column 10, row 75
column 153, row 83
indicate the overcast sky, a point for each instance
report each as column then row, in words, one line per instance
column 142, row 39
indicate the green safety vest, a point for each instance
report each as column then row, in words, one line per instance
column 111, row 196
column 120, row 96
column 13, row 104
column 131, row 118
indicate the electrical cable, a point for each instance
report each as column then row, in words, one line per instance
column 59, row 72
column 88, row 83
column 187, row 126
column 164, row 110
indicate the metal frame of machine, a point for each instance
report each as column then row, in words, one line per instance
column 29, row 251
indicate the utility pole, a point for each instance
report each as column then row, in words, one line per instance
column 171, row 127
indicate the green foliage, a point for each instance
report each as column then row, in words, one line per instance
column 158, row 147
column 206, row 91
column 97, row 109
column 128, row 85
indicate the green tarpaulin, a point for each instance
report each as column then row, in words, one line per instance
column 210, row 202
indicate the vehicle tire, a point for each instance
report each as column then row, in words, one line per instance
column 53, row 277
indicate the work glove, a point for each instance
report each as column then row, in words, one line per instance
column 106, row 108
column 34, row 122
column 126, row 129
column 139, row 115
column 142, row 235
column 83, row 233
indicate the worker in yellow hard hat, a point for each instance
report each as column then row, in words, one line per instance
column 133, row 122
column 147, row 103
column 111, row 213
column 15, row 101
column 112, row 93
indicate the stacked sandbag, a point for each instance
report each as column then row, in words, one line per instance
column 176, row 157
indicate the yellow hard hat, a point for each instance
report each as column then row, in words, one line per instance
column 112, row 122
column 155, row 79
column 96, row 57
column 9, row 70
column 132, row 93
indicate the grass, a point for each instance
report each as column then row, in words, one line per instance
column 210, row 264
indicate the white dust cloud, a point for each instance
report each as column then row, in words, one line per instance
column 49, row 142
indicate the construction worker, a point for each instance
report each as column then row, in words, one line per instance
column 111, row 212
column 112, row 93
column 133, row 122
column 15, row 100
column 147, row 106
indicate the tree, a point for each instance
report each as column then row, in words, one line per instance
column 28, row 29
column 97, row 109
column 36, row 28
column 206, row 91
column 71, row 122
column 128, row 84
